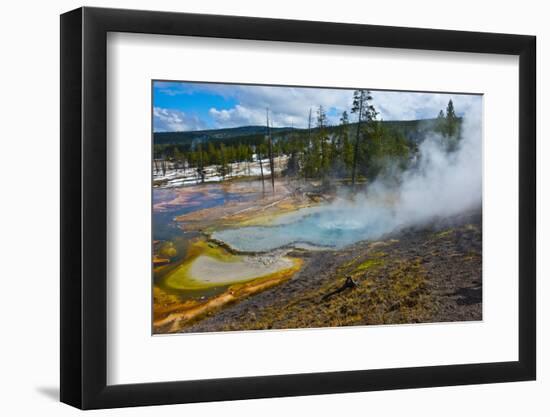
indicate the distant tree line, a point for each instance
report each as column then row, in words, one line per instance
column 351, row 152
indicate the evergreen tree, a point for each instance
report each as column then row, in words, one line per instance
column 440, row 123
column 223, row 167
column 344, row 119
column 347, row 154
column 321, row 118
column 178, row 159
column 324, row 158
column 451, row 127
column 340, row 145
column 366, row 113
column 451, row 120
column 451, row 110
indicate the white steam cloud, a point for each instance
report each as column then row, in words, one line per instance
column 443, row 184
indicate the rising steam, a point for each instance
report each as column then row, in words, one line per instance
column 441, row 185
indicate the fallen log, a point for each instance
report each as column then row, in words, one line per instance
column 349, row 284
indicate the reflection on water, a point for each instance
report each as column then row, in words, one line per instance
column 166, row 207
column 212, row 195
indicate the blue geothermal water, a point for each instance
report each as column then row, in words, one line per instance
column 323, row 227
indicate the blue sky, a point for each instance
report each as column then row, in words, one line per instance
column 186, row 106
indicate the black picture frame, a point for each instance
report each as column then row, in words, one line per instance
column 84, row 207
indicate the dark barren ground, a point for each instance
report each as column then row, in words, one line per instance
column 430, row 273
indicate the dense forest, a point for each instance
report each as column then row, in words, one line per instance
column 358, row 149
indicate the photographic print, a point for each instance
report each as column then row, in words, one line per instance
column 285, row 207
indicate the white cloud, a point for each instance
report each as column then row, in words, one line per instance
column 290, row 105
column 238, row 116
column 394, row 105
column 246, row 116
column 171, row 120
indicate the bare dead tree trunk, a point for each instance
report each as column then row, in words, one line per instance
column 198, row 175
column 270, row 143
column 201, row 165
column 259, row 155
column 308, row 138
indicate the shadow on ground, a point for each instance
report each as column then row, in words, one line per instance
column 50, row 392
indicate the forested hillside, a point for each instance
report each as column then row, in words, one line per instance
column 350, row 151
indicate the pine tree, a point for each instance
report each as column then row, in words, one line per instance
column 451, row 110
column 366, row 113
column 344, row 119
column 324, row 160
column 339, row 143
column 222, row 167
column 440, row 122
column 451, row 120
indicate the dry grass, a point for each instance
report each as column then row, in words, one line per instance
column 388, row 291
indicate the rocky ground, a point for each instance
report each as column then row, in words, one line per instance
column 429, row 273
